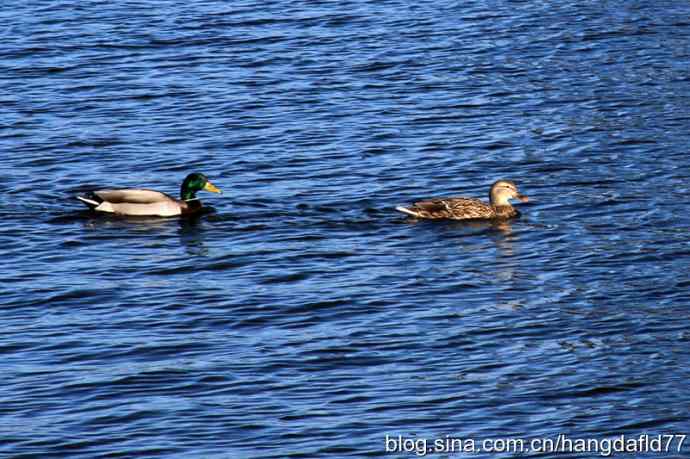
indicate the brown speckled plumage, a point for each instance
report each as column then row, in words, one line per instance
column 467, row 208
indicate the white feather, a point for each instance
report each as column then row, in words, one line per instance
column 407, row 211
column 88, row 201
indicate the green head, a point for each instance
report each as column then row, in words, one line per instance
column 196, row 182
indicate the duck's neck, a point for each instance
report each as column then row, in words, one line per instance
column 499, row 201
column 190, row 207
column 186, row 194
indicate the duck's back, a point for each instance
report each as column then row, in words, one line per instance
column 133, row 196
column 450, row 208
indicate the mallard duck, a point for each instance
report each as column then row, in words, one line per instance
column 470, row 209
column 141, row 202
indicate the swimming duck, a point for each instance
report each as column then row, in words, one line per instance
column 467, row 208
column 142, row 202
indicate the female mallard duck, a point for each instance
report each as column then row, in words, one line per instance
column 466, row 208
column 149, row 203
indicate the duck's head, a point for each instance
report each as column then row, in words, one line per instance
column 504, row 190
column 196, row 182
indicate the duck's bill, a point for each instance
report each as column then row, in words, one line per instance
column 211, row 187
column 522, row 198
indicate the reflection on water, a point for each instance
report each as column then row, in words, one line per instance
column 499, row 231
column 192, row 236
column 189, row 228
column 96, row 221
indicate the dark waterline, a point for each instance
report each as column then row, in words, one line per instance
column 302, row 316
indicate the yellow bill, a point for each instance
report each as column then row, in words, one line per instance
column 211, row 187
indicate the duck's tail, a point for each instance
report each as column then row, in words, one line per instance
column 89, row 202
column 407, row 211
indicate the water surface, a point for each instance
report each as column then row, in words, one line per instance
column 302, row 316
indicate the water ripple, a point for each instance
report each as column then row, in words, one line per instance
column 301, row 316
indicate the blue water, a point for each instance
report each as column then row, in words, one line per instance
column 302, row 316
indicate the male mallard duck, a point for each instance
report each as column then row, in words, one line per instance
column 141, row 202
column 466, row 208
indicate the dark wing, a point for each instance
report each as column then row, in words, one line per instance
column 452, row 208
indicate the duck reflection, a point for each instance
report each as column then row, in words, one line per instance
column 192, row 236
column 100, row 222
column 500, row 231
column 473, row 238
column 504, row 242
column 189, row 228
